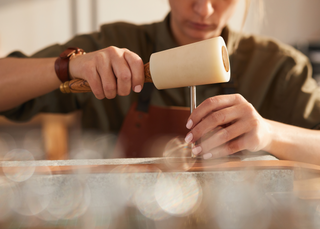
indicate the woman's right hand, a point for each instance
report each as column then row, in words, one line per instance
column 111, row 71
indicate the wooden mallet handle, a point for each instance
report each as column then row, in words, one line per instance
column 81, row 86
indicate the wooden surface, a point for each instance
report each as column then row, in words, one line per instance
column 303, row 170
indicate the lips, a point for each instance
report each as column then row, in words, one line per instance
column 201, row 26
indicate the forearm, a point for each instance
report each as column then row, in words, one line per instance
column 24, row 79
column 294, row 143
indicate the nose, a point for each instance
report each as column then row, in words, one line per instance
column 203, row 8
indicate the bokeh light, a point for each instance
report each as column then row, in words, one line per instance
column 177, row 194
column 177, row 154
column 19, row 171
column 147, row 204
column 70, row 199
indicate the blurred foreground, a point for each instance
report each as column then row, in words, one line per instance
column 157, row 193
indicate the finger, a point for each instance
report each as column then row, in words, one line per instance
column 222, row 136
column 84, row 67
column 227, row 149
column 123, row 76
column 94, row 80
column 107, row 78
column 137, row 70
column 213, row 104
column 215, row 119
column 96, row 85
column 215, row 153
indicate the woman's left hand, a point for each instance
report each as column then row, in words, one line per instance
column 227, row 124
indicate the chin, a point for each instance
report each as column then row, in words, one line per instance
column 201, row 36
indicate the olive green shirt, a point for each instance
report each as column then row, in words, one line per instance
column 273, row 77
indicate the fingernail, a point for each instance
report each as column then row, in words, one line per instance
column 137, row 88
column 207, row 156
column 188, row 138
column 196, row 150
column 189, row 124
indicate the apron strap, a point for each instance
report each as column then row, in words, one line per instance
column 145, row 97
column 229, row 87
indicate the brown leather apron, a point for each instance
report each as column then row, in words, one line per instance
column 147, row 129
column 146, row 134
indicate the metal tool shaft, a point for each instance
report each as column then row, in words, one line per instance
column 193, row 98
column 193, row 105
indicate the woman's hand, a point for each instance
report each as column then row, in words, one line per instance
column 109, row 71
column 227, row 124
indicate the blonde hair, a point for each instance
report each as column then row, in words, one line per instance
column 246, row 11
column 258, row 16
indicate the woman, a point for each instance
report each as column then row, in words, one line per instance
column 273, row 81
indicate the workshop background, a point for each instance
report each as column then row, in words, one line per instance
column 30, row 25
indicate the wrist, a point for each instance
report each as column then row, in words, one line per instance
column 63, row 61
column 74, row 70
column 270, row 136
